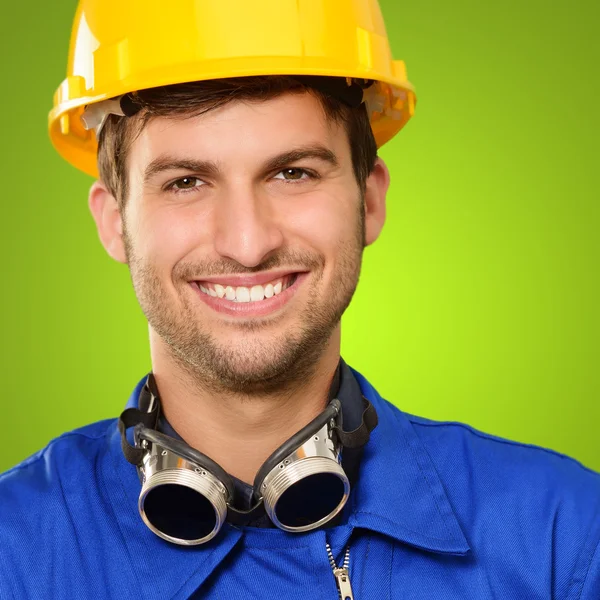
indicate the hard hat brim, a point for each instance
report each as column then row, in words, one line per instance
column 79, row 147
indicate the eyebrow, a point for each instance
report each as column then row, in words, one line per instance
column 207, row 167
column 315, row 151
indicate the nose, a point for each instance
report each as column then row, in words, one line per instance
column 247, row 227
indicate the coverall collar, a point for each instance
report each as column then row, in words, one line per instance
column 414, row 510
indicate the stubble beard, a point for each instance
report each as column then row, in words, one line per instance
column 252, row 367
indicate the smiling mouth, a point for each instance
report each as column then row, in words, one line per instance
column 240, row 294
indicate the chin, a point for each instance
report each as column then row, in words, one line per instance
column 252, row 367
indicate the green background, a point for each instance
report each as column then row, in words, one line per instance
column 478, row 304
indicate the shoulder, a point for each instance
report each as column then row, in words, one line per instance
column 517, row 466
column 57, row 509
column 41, row 487
column 58, row 456
column 509, row 496
column 490, row 467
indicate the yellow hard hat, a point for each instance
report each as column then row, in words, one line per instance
column 118, row 47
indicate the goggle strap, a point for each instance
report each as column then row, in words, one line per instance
column 359, row 436
column 130, row 418
column 240, row 518
column 148, row 417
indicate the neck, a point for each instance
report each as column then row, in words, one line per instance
column 237, row 431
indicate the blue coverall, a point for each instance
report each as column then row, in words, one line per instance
column 440, row 511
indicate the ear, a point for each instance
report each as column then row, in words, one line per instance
column 377, row 186
column 105, row 210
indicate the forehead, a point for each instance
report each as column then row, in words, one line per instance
column 241, row 129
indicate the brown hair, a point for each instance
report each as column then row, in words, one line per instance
column 199, row 97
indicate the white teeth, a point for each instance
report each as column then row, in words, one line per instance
column 257, row 293
column 242, row 294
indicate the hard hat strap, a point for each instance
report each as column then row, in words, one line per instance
column 349, row 91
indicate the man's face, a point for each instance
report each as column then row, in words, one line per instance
column 244, row 231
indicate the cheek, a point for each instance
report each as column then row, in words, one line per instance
column 325, row 222
column 168, row 235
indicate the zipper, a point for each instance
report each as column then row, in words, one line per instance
column 341, row 574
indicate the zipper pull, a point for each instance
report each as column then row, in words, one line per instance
column 341, row 574
column 342, row 579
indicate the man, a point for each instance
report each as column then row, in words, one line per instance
column 239, row 181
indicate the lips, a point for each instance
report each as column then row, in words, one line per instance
column 250, row 300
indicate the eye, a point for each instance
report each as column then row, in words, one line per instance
column 294, row 174
column 186, row 183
